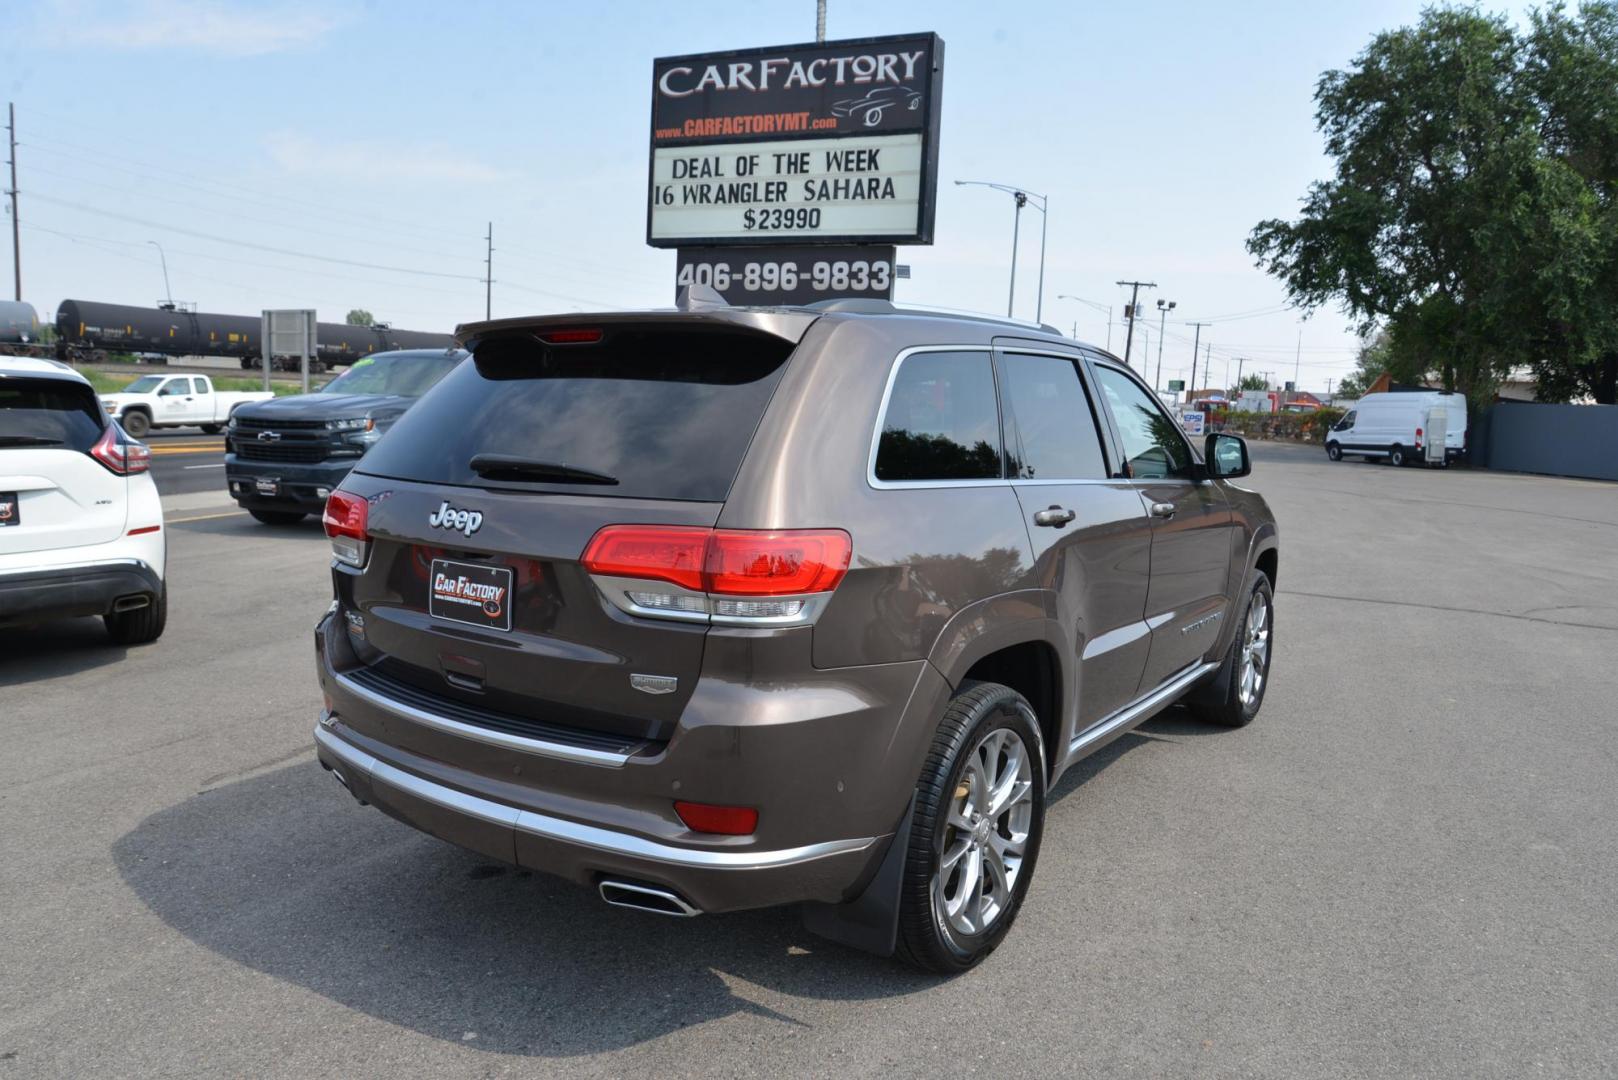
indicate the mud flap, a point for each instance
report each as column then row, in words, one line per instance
column 869, row 922
column 1215, row 690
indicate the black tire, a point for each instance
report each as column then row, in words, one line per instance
column 1334, row 451
column 1231, row 710
column 211, row 429
column 141, row 625
column 977, row 712
column 136, row 424
column 278, row 517
column 1396, row 456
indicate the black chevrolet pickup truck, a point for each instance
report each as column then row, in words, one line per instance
column 283, row 457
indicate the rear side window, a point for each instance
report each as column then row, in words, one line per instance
column 49, row 413
column 942, row 422
column 666, row 413
column 1050, row 431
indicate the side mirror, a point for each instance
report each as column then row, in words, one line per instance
column 1226, row 457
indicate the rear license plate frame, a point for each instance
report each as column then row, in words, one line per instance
column 450, row 580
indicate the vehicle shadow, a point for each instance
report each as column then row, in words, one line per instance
column 283, row 873
column 53, row 650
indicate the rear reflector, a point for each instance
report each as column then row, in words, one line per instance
column 122, row 458
column 145, row 529
column 727, row 820
column 346, row 519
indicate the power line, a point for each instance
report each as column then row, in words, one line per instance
column 257, row 247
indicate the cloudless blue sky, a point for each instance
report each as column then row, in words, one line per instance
column 390, row 133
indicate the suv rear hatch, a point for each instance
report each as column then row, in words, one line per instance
column 53, row 494
column 481, row 500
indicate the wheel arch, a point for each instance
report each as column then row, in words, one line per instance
column 1015, row 640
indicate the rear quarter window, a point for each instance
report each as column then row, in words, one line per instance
column 59, row 410
column 668, row 412
column 942, row 420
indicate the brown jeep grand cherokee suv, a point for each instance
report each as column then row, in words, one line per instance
column 722, row 608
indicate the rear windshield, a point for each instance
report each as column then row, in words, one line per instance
column 406, row 376
column 49, row 413
column 665, row 412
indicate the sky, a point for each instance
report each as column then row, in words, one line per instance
column 346, row 154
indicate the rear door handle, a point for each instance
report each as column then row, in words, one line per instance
column 1055, row 517
column 1163, row 510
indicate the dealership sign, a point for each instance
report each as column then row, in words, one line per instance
column 826, row 143
column 794, row 274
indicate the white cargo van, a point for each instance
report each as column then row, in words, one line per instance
column 1404, row 427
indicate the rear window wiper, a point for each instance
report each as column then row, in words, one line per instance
column 507, row 467
column 28, row 440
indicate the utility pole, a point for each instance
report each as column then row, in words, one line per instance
column 1297, row 361
column 16, row 241
column 1195, row 341
column 1239, row 361
column 820, row 20
column 488, row 274
column 1132, row 310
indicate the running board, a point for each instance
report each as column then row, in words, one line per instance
column 1142, row 709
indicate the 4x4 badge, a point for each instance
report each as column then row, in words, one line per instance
column 447, row 517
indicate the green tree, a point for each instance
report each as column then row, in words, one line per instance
column 1251, row 382
column 359, row 317
column 1452, row 222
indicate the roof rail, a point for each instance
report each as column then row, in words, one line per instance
column 865, row 306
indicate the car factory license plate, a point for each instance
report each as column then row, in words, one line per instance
column 268, row 485
column 10, row 509
column 472, row 594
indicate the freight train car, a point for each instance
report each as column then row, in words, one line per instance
column 87, row 330
column 19, row 331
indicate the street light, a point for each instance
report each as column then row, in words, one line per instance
column 1099, row 307
column 164, row 260
column 1021, row 198
column 1163, row 309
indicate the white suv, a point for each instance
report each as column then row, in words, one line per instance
column 81, row 525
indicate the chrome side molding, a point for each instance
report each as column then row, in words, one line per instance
column 1142, row 708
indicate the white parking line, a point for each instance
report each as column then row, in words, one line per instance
column 220, row 465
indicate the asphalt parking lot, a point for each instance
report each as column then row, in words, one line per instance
column 1408, row 865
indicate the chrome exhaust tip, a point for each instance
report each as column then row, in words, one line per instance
column 646, row 898
column 131, row 603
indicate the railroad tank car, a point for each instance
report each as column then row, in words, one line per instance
column 19, row 323
column 86, row 328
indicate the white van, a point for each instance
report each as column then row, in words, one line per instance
column 1405, row 427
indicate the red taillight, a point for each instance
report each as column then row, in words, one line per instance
column 745, row 563
column 579, row 336
column 346, row 519
column 669, row 553
column 728, row 820
column 125, row 459
column 732, row 562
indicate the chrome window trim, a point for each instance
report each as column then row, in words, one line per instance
column 1075, row 357
column 882, row 414
column 540, row 747
column 574, row 832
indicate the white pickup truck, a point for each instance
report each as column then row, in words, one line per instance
column 175, row 401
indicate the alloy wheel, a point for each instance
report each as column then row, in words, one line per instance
column 1255, row 649
column 981, row 847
